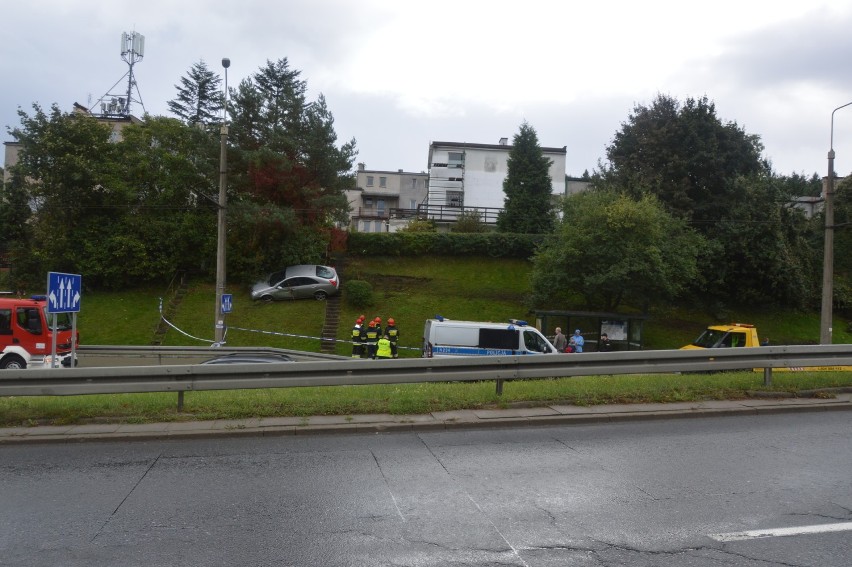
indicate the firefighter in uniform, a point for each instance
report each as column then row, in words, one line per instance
column 378, row 321
column 357, row 345
column 372, row 340
column 393, row 335
column 363, row 338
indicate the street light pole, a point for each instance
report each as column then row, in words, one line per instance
column 826, row 314
column 221, row 237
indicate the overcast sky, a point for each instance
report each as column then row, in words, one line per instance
column 399, row 74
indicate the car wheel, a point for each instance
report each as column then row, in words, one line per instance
column 13, row 362
column 320, row 295
column 266, row 298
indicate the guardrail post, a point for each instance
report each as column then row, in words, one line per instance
column 180, row 401
column 499, row 387
column 767, row 376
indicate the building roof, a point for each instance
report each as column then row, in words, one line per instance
column 501, row 147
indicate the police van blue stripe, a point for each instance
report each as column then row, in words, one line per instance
column 474, row 351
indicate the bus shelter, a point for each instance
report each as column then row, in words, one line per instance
column 624, row 331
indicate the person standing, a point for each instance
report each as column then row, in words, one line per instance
column 363, row 338
column 372, row 340
column 393, row 337
column 577, row 341
column 603, row 344
column 559, row 341
column 383, row 348
column 357, row 346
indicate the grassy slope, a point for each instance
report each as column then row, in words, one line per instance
column 408, row 289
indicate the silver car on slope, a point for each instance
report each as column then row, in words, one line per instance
column 298, row 282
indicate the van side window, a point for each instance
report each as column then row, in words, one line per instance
column 5, row 321
column 29, row 320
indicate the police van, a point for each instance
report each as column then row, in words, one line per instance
column 447, row 337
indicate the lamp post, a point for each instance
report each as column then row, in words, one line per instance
column 221, row 238
column 828, row 249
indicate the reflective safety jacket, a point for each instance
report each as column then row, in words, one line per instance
column 384, row 350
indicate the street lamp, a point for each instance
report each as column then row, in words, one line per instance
column 828, row 249
column 221, row 238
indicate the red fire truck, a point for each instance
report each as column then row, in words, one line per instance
column 26, row 334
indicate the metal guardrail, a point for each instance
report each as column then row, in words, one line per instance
column 339, row 371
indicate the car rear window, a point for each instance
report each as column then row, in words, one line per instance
column 325, row 272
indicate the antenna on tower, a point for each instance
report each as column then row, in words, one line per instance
column 117, row 104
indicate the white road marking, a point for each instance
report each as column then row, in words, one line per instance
column 781, row 532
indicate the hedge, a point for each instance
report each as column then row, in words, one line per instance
column 495, row 245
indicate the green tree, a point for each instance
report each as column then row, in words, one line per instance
column 68, row 172
column 610, row 250
column 287, row 162
column 199, row 97
column 685, row 156
column 760, row 252
column 528, row 204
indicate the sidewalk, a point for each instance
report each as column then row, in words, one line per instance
column 535, row 416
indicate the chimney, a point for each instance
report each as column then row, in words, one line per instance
column 504, row 141
column 361, row 166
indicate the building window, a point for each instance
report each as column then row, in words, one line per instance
column 369, row 181
column 368, row 202
column 383, row 181
column 380, row 205
column 414, row 183
column 455, row 198
column 412, row 203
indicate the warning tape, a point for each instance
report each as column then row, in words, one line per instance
column 276, row 333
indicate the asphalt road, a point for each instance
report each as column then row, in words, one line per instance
column 684, row 492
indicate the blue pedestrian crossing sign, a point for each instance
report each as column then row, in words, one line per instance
column 227, row 302
column 64, row 292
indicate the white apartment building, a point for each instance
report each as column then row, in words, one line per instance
column 470, row 176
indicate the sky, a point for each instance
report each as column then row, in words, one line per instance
column 398, row 75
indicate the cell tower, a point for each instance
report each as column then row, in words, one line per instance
column 117, row 104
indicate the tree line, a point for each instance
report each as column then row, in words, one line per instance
column 137, row 209
column 685, row 208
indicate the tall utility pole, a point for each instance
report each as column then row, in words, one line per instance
column 221, row 240
column 826, row 315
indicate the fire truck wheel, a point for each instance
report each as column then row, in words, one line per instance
column 13, row 362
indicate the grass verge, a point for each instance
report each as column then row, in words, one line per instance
column 403, row 399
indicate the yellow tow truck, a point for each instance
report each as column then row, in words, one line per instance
column 727, row 336
column 743, row 335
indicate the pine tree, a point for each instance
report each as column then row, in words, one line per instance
column 528, row 205
column 199, row 99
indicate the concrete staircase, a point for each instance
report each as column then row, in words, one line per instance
column 175, row 294
column 329, row 328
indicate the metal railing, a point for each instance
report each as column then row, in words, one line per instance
column 338, row 371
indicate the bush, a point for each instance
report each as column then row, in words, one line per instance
column 358, row 293
column 489, row 244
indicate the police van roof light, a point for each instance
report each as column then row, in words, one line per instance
column 519, row 322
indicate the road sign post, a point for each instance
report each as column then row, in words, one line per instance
column 64, row 292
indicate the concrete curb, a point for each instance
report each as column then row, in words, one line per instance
column 438, row 421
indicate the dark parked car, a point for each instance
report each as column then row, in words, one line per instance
column 298, row 282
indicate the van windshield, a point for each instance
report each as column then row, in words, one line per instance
column 63, row 320
column 535, row 342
